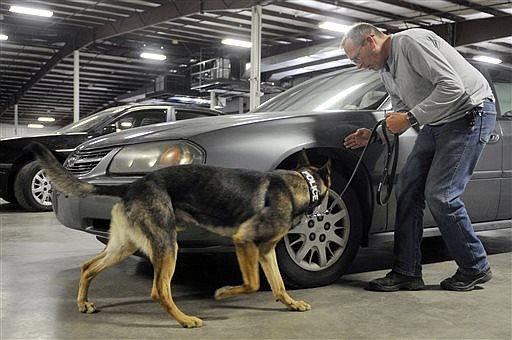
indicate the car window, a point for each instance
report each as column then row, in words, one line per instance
column 139, row 118
column 502, row 81
column 187, row 114
column 91, row 121
column 347, row 90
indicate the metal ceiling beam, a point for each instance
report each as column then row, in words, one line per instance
column 478, row 7
column 276, row 14
column 335, row 16
column 471, row 31
column 269, row 22
column 168, row 11
column 165, row 12
column 230, row 24
column 424, row 9
column 129, row 42
column 362, row 9
column 307, row 9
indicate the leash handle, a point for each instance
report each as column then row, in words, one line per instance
column 388, row 178
column 372, row 135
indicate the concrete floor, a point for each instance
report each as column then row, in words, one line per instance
column 40, row 270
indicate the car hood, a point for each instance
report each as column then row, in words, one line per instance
column 188, row 128
column 12, row 148
column 52, row 140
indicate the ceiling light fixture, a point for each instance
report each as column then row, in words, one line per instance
column 3, row 37
column 31, row 11
column 332, row 26
column 152, row 56
column 35, row 126
column 46, row 119
column 98, row 88
column 239, row 43
column 487, row 59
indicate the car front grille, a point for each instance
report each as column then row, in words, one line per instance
column 82, row 162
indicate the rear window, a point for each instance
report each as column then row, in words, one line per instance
column 502, row 81
column 187, row 114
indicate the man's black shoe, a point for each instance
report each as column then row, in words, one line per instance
column 463, row 282
column 393, row 282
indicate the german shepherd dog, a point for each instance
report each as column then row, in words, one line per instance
column 256, row 209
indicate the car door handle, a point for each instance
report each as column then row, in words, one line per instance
column 494, row 138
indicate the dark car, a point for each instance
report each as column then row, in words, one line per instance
column 23, row 182
column 315, row 116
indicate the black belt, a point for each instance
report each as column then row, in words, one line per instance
column 469, row 116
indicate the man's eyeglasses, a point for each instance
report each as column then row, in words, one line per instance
column 357, row 58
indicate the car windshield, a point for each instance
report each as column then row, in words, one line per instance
column 84, row 124
column 349, row 89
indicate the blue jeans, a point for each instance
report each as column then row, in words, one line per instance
column 436, row 172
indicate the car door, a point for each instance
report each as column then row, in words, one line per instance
column 501, row 80
column 482, row 194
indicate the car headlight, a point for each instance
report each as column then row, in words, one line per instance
column 147, row 157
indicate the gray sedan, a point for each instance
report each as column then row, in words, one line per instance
column 315, row 115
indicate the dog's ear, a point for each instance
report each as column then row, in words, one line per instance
column 325, row 172
column 302, row 159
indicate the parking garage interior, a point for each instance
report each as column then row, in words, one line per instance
column 180, row 63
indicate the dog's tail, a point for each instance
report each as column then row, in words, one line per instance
column 65, row 181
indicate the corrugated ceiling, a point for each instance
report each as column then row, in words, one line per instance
column 36, row 62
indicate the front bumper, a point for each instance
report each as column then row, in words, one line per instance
column 92, row 215
column 4, row 179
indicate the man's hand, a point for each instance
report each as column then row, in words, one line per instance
column 397, row 122
column 357, row 139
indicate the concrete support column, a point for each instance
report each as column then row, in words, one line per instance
column 213, row 100
column 76, row 85
column 240, row 104
column 15, row 119
column 254, row 80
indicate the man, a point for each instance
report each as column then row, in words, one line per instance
column 433, row 86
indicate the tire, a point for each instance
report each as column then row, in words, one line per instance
column 32, row 188
column 321, row 248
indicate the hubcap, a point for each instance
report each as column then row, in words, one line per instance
column 319, row 240
column 41, row 189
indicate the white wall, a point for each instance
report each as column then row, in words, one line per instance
column 7, row 130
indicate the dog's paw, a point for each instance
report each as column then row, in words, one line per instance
column 223, row 293
column 86, row 307
column 191, row 322
column 154, row 294
column 299, row 306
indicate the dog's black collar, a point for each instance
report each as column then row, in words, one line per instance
column 313, row 190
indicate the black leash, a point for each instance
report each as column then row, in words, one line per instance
column 388, row 177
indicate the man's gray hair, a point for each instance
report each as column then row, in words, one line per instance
column 358, row 33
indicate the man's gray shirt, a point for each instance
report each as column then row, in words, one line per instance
column 429, row 78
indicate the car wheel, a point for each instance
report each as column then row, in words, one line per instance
column 32, row 188
column 321, row 247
